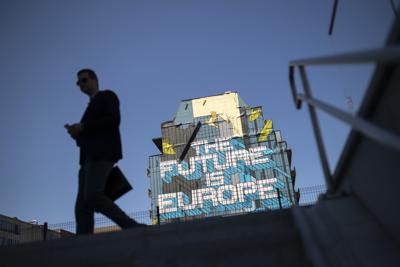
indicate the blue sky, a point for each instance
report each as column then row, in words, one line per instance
column 154, row 54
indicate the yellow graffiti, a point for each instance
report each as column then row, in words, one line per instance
column 255, row 113
column 265, row 131
column 213, row 119
column 168, row 148
column 225, row 106
column 154, row 221
column 235, row 123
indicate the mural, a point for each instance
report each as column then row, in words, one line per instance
column 234, row 163
column 215, row 164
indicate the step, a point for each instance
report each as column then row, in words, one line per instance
column 259, row 238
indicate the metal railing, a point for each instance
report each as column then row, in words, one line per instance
column 103, row 224
column 363, row 126
column 36, row 232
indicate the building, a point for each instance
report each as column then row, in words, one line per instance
column 106, row 229
column 15, row 231
column 219, row 156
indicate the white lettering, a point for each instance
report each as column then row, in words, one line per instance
column 203, row 160
column 181, row 202
column 166, row 166
column 215, row 178
column 264, row 186
column 256, row 155
column 191, row 170
column 166, row 203
column 206, row 194
column 245, row 189
column 233, row 197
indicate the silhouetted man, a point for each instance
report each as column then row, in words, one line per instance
column 99, row 140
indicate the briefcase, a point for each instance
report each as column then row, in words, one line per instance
column 117, row 185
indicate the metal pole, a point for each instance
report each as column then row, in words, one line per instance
column 158, row 215
column 317, row 131
column 45, row 227
column 333, row 16
column 279, row 198
column 394, row 8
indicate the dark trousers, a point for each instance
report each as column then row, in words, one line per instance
column 92, row 180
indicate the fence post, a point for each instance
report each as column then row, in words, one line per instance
column 158, row 215
column 279, row 198
column 45, row 227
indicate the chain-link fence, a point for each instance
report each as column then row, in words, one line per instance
column 23, row 232
column 103, row 224
column 309, row 195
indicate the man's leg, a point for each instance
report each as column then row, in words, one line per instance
column 84, row 215
column 97, row 174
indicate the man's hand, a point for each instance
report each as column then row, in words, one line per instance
column 74, row 130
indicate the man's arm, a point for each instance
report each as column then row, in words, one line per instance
column 74, row 130
column 112, row 116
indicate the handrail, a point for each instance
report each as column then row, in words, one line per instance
column 369, row 129
column 390, row 54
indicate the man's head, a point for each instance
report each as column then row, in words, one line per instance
column 88, row 82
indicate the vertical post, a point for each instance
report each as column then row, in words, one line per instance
column 317, row 131
column 45, row 226
column 279, row 198
column 158, row 215
column 333, row 16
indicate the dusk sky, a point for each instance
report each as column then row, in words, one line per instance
column 154, row 54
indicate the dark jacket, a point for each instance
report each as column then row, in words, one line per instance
column 100, row 138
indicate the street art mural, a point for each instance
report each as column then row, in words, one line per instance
column 215, row 164
column 235, row 162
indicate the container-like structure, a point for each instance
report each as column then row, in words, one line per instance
column 219, row 156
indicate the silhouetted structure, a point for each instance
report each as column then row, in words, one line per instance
column 219, row 157
column 15, row 231
column 356, row 223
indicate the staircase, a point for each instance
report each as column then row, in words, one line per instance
column 357, row 223
column 267, row 239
